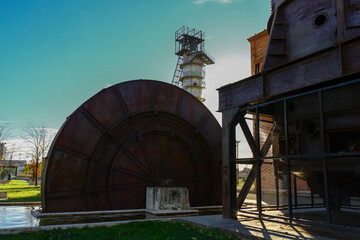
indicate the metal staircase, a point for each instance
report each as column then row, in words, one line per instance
column 177, row 73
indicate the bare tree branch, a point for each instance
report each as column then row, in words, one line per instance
column 5, row 133
column 5, row 130
column 38, row 137
column 10, row 153
column 45, row 144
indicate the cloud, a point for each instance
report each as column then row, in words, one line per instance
column 216, row 1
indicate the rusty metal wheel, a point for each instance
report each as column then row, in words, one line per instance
column 128, row 137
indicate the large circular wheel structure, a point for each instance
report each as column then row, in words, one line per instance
column 128, row 137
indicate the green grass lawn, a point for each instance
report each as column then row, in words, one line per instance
column 21, row 191
column 136, row 230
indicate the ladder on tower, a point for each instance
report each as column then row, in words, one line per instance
column 177, row 73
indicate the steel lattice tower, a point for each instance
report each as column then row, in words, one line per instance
column 190, row 68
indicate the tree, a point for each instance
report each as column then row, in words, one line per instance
column 5, row 132
column 27, row 169
column 10, row 153
column 39, row 138
column 44, row 145
column 9, row 157
column 32, row 169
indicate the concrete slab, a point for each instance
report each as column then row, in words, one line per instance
column 172, row 212
column 20, row 203
column 38, row 214
column 253, row 228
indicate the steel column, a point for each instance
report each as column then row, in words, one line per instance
column 287, row 159
column 232, row 168
column 324, row 159
column 258, row 175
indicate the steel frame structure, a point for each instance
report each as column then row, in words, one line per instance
column 311, row 66
column 259, row 153
column 189, row 39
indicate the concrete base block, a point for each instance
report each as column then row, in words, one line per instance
column 3, row 195
column 167, row 198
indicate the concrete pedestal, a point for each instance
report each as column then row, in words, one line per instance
column 3, row 195
column 167, row 198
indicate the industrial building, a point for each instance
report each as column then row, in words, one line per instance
column 300, row 116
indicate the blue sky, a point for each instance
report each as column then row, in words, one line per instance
column 56, row 54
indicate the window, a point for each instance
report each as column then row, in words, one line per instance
column 257, row 68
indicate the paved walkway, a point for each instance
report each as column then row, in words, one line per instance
column 247, row 226
column 251, row 228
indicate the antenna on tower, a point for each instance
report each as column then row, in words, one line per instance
column 190, row 68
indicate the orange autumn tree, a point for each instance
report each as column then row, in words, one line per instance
column 32, row 167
